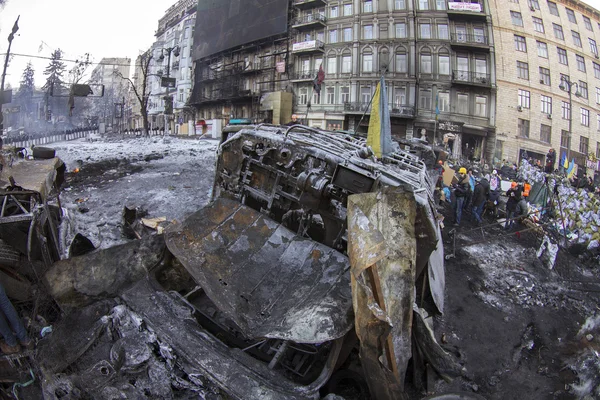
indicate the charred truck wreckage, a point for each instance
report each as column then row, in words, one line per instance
column 313, row 271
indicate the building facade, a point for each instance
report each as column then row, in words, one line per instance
column 172, row 54
column 108, row 72
column 434, row 55
column 548, row 75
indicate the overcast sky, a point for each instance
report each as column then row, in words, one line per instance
column 103, row 28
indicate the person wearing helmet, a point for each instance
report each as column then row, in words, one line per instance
column 514, row 197
column 461, row 191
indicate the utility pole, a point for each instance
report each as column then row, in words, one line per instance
column 11, row 36
column 566, row 84
column 166, row 83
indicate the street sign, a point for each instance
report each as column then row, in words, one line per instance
column 6, row 97
column 167, row 82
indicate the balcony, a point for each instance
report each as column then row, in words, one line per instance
column 470, row 11
column 309, row 46
column 471, row 78
column 303, row 76
column 306, row 4
column 461, row 40
column 310, row 21
column 395, row 110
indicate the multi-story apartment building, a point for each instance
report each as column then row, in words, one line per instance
column 431, row 52
column 109, row 72
column 172, row 52
column 546, row 49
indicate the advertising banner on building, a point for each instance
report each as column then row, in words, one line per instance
column 309, row 44
column 473, row 7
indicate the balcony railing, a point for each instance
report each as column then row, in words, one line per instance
column 308, row 46
column 395, row 110
column 476, row 40
column 469, row 77
column 304, row 75
column 310, row 19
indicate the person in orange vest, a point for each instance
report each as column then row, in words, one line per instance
column 526, row 189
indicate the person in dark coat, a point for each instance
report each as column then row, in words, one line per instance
column 514, row 197
column 480, row 196
column 550, row 161
column 461, row 191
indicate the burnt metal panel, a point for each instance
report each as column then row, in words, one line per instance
column 269, row 281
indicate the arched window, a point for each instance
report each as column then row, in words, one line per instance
column 346, row 62
column 443, row 62
column 367, row 60
column 425, row 62
column 384, row 59
column 401, row 61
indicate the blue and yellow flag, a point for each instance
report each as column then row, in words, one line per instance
column 379, row 135
column 571, row 170
column 565, row 163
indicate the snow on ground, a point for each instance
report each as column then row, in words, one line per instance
column 168, row 177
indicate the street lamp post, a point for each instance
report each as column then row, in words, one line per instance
column 166, row 83
column 11, row 36
column 566, row 84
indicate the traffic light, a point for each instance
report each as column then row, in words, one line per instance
column 168, row 105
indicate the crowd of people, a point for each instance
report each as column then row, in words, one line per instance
column 23, row 137
column 480, row 193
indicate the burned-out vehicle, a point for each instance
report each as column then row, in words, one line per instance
column 288, row 285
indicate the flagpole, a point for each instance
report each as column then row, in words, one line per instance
column 437, row 113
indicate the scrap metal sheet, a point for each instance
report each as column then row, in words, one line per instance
column 376, row 220
column 269, row 281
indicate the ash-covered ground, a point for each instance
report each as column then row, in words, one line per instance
column 165, row 177
column 521, row 330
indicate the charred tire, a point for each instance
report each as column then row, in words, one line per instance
column 9, row 257
column 349, row 384
column 43, row 153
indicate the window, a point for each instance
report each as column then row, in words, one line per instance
column 523, row 98
column 303, row 96
column 585, row 117
column 347, row 34
column 516, row 18
column 462, row 106
column 401, row 63
column 368, row 6
column 345, row 94
column 520, row 43
column 368, row 32
column 347, row 9
column 558, row 32
column 461, row 33
column 562, row 56
column 584, row 144
column 425, row 31
column 542, row 49
column 598, row 95
column 564, row 78
column 576, row 38
column 544, row 76
column 346, row 64
column 478, row 35
column 440, row 4
column 523, row 70
column 598, row 143
column 580, row 62
column 462, row 65
column 399, row 96
column 333, row 36
column 597, row 70
column 442, row 30
column 546, row 104
column 538, row 25
column 367, row 63
column 545, row 133
column 593, row 47
column 423, row 4
column 316, row 98
column 425, row 99
column 330, row 95
column 588, row 23
column 481, row 106
column 571, row 15
column 334, row 12
column 565, row 140
column 444, row 64
column 553, row 8
column 523, row 126
column 444, row 101
column 332, row 65
column 400, row 4
column 566, row 110
column 426, row 63
column 400, row 30
column 534, row 4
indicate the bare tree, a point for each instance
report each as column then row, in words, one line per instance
column 141, row 91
